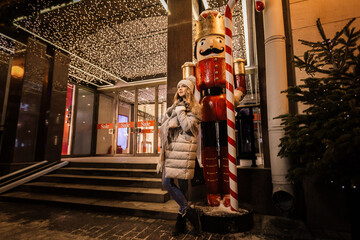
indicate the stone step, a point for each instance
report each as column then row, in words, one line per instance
column 103, row 180
column 125, row 172
column 113, row 165
column 167, row 210
column 107, row 192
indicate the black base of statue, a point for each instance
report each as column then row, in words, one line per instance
column 222, row 220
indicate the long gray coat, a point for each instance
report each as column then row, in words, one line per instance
column 178, row 135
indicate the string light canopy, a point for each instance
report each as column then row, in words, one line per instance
column 109, row 41
column 113, row 40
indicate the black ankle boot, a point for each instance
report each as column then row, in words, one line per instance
column 180, row 225
column 192, row 214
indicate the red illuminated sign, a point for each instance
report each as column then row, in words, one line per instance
column 146, row 124
column 125, row 125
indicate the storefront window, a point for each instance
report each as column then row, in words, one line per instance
column 84, row 111
column 146, row 120
column 161, row 108
column 105, row 124
column 125, row 122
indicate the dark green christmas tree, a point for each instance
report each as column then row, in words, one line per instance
column 324, row 139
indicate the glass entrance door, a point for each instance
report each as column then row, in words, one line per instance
column 125, row 124
column 137, row 114
column 146, row 121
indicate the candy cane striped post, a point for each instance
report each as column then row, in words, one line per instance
column 230, row 106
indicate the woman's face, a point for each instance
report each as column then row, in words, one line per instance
column 182, row 90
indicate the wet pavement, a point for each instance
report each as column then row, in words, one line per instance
column 38, row 221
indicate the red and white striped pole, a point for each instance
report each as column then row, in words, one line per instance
column 230, row 106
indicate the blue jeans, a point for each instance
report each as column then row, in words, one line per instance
column 177, row 193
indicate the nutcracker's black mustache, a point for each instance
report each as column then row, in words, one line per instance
column 211, row 50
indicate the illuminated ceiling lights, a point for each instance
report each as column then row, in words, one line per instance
column 164, row 4
column 117, row 41
column 111, row 40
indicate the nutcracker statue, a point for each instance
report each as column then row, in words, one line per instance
column 210, row 70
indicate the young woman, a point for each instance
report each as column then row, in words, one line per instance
column 178, row 134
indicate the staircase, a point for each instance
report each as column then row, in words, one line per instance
column 126, row 188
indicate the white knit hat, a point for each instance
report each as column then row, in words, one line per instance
column 189, row 82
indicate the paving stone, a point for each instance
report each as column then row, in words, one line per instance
column 32, row 221
column 285, row 228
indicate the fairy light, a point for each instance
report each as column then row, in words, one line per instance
column 108, row 40
column 115, row 40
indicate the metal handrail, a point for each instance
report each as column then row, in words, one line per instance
column 22, row 170
column 33, row 176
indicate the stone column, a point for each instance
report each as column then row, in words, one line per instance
column 55, row 113
column 179, row 42
column 28, row 72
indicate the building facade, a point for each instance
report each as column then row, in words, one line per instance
column 55, row 102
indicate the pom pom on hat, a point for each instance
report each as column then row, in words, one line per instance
column 189, row 82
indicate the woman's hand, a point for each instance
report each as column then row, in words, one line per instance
column 159, row 167
column 184, row 104
column 180, row 103
column 178, row 109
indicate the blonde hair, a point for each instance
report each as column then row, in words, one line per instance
column 190, row 103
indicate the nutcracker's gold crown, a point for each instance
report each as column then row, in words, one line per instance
column 210, row 22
